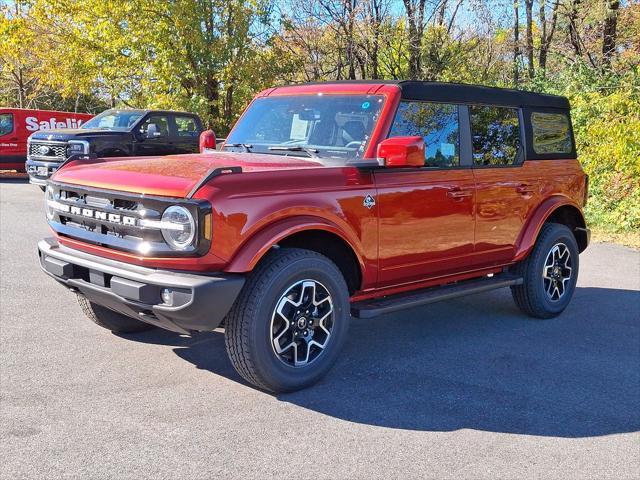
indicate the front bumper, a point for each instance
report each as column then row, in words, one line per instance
column 199, row 302
column 40, row 171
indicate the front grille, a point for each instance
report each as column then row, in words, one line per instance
column 118, row 220
column 47, row 151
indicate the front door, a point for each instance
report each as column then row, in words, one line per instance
column 426, row 214
column 158, row 144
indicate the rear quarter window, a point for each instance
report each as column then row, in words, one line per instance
column 551, row 133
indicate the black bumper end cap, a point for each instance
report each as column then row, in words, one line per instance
column 57, row 267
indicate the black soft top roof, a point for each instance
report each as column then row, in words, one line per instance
column 466, row 93
column 462, row 93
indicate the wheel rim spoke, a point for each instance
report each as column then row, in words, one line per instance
column 308, row 293
column 549, row 287
column 322, row 325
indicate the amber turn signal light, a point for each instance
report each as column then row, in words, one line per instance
column 207, row 226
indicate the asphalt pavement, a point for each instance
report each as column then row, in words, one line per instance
column 464, row 389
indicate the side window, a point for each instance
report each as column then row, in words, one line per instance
column 186, row 127
column 161, row 122
column 6, row 123
column 438, row 124
column 551, row 133
column 495, row 135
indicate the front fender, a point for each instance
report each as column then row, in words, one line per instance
column 529, row 234
column 262, row 241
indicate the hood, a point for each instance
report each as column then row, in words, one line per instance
column 71, row 133
column 170, row 176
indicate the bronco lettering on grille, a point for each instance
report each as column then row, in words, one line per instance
column 97, row 214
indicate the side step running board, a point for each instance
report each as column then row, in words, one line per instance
column 380, row 306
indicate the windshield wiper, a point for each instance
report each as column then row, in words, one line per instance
column 312, row 152
column 247, row 146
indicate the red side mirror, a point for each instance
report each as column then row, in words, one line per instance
column 207, row 141
column 402, row 151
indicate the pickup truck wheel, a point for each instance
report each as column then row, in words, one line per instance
column 290, row 321
column 114, row 321
column 550, row 273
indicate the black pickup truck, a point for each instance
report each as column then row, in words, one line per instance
column 113, row 133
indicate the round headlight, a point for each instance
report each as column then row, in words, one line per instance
column 48, row 200
column 178, row 227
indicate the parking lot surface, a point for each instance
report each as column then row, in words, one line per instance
column 464, row 389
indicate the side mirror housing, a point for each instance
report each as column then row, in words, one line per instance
column 402, row 151
column 207, row 141
column 152, row 131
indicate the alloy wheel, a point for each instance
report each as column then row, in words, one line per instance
column 557, row 271
column 301, row 323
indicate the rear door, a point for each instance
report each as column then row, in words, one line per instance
column 185, row 133
column 426, row 214
column 507, row 188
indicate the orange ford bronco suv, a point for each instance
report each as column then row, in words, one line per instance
column 327, row 201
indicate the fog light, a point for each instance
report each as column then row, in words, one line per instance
column 167, row 296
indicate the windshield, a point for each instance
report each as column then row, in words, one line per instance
column 324, row 126
column 118, row 120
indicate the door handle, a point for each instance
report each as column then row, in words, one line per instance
column 525, row 189
column 458, row 194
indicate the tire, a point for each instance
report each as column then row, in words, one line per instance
column 114, row 321
column 541, row 297
column 253, row 327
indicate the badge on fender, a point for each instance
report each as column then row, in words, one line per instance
column 369, row 202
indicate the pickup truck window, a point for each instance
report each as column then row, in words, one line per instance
column 117, row 120
column 6, row 123
column 438, row 124
column 327, row 126
column 186, row 127
column 161, row 121
column 551, row 133
column 496, row 135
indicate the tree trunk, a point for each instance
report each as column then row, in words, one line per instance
column 543, row 30
column 574, row 38
column 228, row 106
column 442, row 11
column 376, row 14
column 212, row 95
column 546, row 35
column 351, row 57
column 415, row 21
column 516, row 44
column 374, row 55
column 609, row 34
column 529, row 9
